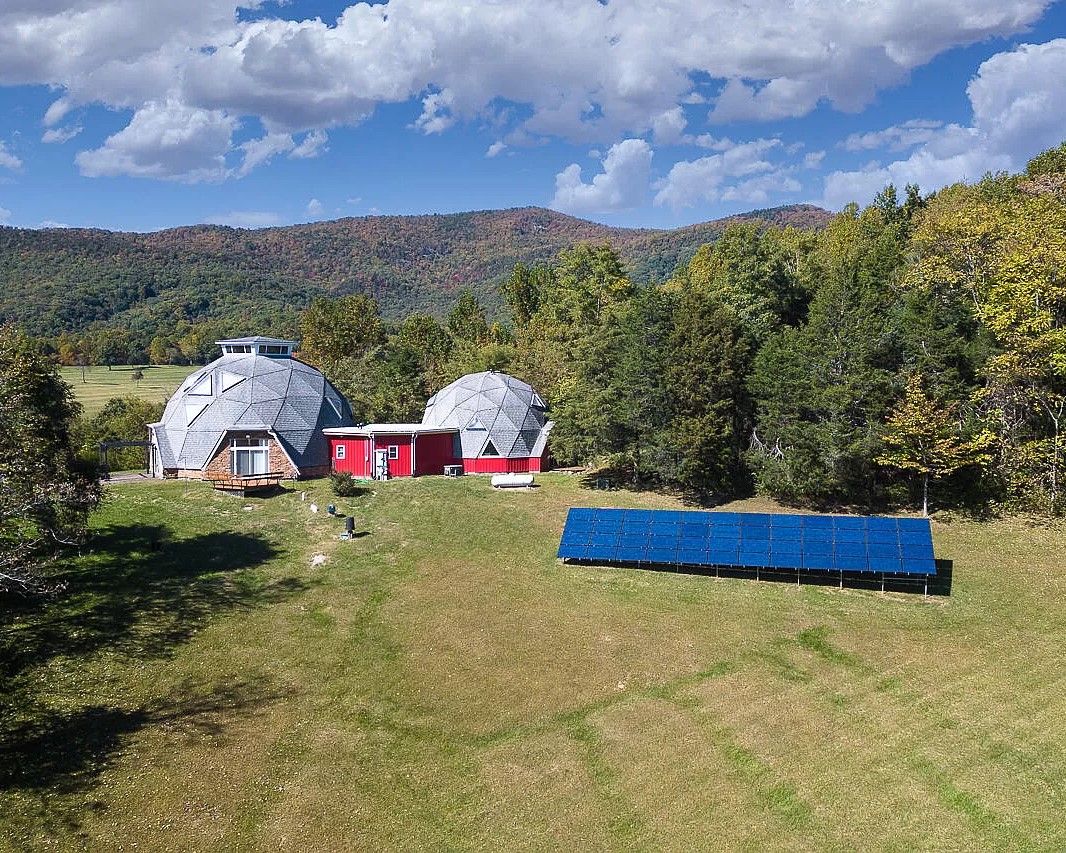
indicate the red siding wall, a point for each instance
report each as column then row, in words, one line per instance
column 432, row 452
column 356, row 455
column 400, row 467
column 499, row 465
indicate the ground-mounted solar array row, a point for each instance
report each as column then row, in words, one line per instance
column 834, row 543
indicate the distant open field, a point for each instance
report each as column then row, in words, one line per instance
column 443, row 682
column 101, row 384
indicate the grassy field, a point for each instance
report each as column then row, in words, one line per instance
column 442, row 682
column 101, row 384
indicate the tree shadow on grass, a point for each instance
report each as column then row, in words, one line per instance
column 613, row 477
column 63, row 752
column 140, row 594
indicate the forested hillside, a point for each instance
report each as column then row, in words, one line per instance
column 72, row 280
column 911, row 351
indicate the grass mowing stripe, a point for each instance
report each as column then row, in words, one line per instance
column 626, row 825
column 443, row 682
column 778, row 796
column 994, row 828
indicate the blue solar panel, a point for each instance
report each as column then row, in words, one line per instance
column 885, row 564
column 849, row 563
column 850, row 535
column 822, row 562
column 755, row 540
column 888, row 537
column 919, row 567
column 817, row 546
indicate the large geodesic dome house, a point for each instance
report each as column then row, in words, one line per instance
column 501, row 421
column 254, row 411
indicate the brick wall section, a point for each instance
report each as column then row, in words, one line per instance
column 221, row 465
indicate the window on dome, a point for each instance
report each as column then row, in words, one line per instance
column 249, row 456
column 273, row 349
column 202, row 388
column 236, row 349
column 490, row 450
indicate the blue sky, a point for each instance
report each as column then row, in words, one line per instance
column 129, row 115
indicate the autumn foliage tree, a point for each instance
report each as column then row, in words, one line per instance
column 922, row 438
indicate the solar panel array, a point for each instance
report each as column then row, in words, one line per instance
column 834, row 543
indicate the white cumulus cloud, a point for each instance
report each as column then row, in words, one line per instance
column 713, row 178
column 1018, row 103
column 897, row 138
column 168, row 140
column 622, row 185
column 578, row 69
column 61, row 134
column 7, row 159
column 313, row 144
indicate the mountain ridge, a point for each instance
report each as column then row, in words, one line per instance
column 71, row 279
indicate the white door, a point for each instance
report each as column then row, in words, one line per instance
column 381, row 464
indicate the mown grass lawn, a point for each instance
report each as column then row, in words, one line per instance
column 444, row 682
column 97, row 384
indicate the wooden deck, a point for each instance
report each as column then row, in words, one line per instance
column 247, row 484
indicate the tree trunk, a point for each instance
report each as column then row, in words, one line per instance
column 925, row 495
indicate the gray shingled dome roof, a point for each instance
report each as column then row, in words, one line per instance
column 251, row 392
column 490, row 407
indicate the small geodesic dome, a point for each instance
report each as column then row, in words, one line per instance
column 255, row 388
column 496, row 415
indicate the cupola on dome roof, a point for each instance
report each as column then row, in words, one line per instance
column 255, row 386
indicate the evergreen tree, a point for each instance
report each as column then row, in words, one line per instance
column 710, row 412
column 823, row 389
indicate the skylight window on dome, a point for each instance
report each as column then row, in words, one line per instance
column 202, row 388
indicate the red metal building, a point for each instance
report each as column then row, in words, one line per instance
column 383, row 451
